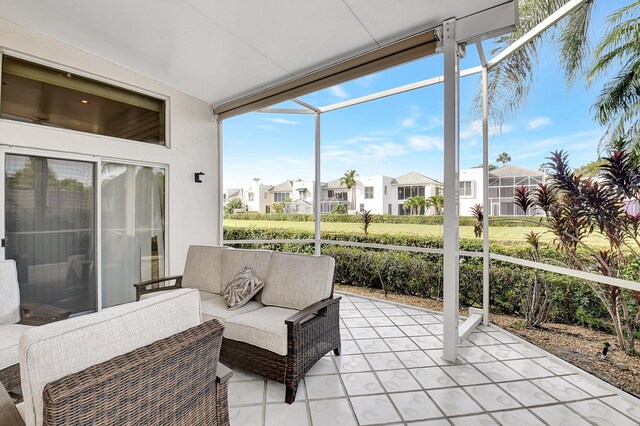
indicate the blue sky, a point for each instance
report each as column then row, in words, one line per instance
column 403, row 133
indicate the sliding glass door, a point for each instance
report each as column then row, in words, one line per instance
column 133, row 229
column 50, row 229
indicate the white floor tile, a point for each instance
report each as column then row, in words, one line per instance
column 624, row 405
column 373, row 409
column 554, row 366
column 352, row 363
column 371, row 312
column 246, row 392
column 415, row 359
column 363, row 333
column 517, row 417
column 415, row 406
column 559, row 415
column 440, row 422
column 392, row 331
column 560, row 389
column 414, row 330
column 331, row 412
column 475, row 355
column 403, row 320
column 465, row 375
column 502, row 352
column 356, row 322
column 246, row 416
column 527, row 349
column 482, row 339
column 276, row 391
column 384, row 361
column 349, row 347
column 528, row 368
column 380, row 321
column 400, row 344
column 600, row 413
column 454, row 401
column 427, row 342
column 361, row 384
column 372, row 345
column 432, row 378
column 287, row 414
column 324, row 366
column 491, row 397
column 323, row 386
column 527, row 393
column 398, row 380
column 497, row 371
column 590, row 386
column 481, row 420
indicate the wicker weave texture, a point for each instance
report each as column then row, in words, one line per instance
column 169, row 382
column 10, row 377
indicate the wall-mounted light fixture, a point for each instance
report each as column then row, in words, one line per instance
column 199, row 177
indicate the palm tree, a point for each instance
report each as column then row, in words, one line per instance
column 618, row 104
column 437, row 202
column 503, row 158
column 415, row 204
column 511, row 79
column 349, row 180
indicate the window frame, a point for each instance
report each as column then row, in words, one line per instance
column 369, row 196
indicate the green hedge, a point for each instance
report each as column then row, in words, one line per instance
column 378, row 218
column 420, row 274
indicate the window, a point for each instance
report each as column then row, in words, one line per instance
column 362, row 207
column 341, row 195
column 265, row 195
column 385, row 190
column 466, row 189
column 250, row 196
column 280, row 197
column 267, row 209
column 389, row 211
column 368, row 192
column 37, row 94
column 406, row 192
column 402, row 210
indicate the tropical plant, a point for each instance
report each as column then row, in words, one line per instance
column 511, row 79
column 476, row 212
column 339, row 209
column 618, row 104
column 415, row 204
column 349, row 180
column 233, row 204
column 367, row 218
column 536, row 294
column 504, row 158
column 522, row 199
column 277, row 207
column 437, row 202
column 576, row 208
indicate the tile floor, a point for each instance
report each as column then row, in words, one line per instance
column 391, row 373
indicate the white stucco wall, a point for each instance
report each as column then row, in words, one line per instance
column 475, row 176
column 193, row 209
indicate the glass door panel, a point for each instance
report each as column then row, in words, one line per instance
column 50, row 230
column 133, row 246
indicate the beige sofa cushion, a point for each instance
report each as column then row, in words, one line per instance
column 9, row 338
column 55, row 350
column 262, row 327
column 296, row 281
column 9, row 293
column 203, row 268
column 234, row 261
column 216, row 307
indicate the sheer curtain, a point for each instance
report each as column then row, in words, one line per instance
column 132, row 229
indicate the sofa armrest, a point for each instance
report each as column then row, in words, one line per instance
column 9, row 414
column 223, row 374
column 310, row 310
column 151, row 286
column 47, row 313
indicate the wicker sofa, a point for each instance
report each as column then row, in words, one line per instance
column 291, row 324
column 150, row 363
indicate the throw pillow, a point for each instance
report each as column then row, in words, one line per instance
column 242, row 288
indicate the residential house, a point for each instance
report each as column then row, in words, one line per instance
column 503, row 182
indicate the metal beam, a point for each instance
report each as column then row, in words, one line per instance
column 485, row 195
column 284, row 111
column 535, row 31
column 451, row 267
column 400, row 89
column 483, row 58
column 488, row 23
column 306, row 105
column 318, row 186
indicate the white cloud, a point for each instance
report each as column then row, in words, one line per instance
column 409, row 122
column 282, row 121
column 388, row 149
column 425, row 143
column 475, row 129
column 537, row 122
column 339, row 92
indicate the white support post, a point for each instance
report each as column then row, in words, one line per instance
column 485, row 198
column 221, row 185
column 318, row 186
column 451, row 177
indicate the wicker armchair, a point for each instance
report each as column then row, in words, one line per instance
column 15, row 318
column 173, row 381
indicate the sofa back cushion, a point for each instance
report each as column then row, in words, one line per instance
column 203, row 268
column 55, row 350
column 9, row 293
column 234, row 261
column 296, row 281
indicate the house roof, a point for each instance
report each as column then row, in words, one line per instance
column 234, row 192
column 336, row 184
column 219, row 50
column 285, row 186
column 514, row 170
column 413, row 178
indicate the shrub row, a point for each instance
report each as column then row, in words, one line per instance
column 420, row 274
column 378, row 218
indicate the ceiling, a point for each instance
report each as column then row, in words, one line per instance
column 221, row 50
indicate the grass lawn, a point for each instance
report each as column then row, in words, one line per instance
column 497, row 233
